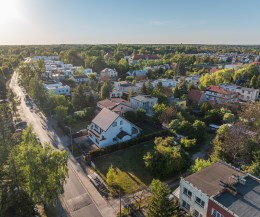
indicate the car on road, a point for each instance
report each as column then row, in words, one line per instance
column 21, row 124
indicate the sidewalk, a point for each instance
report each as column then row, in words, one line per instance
column 104, row 207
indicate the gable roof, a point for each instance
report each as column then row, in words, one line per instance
column 105, row 118
column 218, row 89
column 208, row 179
column 194, row 96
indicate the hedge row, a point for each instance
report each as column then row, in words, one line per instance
column 126, row 144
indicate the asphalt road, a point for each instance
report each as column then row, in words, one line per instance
column 77, row 200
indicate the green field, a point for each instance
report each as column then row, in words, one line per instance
column 130, row 166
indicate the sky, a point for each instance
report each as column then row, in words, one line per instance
column 129, row 22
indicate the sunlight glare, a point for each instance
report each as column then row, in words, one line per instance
column 8, row 13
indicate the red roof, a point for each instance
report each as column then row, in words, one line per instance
column 218, row 89
column 194, row 96
column 256, row 63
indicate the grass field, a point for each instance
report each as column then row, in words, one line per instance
column 129, row 164
column 79, row 125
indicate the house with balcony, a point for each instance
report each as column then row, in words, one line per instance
column 145, row 102
column 109, row 128
column 220, row 190
column 220, row 95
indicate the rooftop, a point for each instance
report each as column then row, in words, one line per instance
column 143, row 98
column 105, row 118
column 246, row 201
column 218, row 89
column 209, row 179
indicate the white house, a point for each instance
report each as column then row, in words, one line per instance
column 245, row 94
column 193, row 79
column 111, row 73
column 79, row 78
column 165, row 82
column 145, row 102
column 109, row 128
column 57, row 88
column 119, row 87
column 87, row 71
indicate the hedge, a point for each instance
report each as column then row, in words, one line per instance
column 140, row 139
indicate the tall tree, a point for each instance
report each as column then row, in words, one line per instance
column 105, row 90
column 160, row 205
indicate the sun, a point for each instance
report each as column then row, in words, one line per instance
column 8, row 12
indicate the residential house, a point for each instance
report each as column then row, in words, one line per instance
column 57, row 88
column 87, row 71
column 165, row 82
column 135, row 57
column 117, row 105
column 138, row 73
column 220, row 95
column 196, row 97
column 220, row 190
column 110, row 73
column 145, row 102
column 193, row 79
column 109, row 128
column 245, row 94
column 79, row 78
column 119, row 87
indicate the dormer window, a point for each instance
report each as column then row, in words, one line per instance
column 114, row 124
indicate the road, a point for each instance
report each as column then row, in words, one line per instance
column 80, row 197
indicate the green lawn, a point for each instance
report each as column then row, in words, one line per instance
column 130, row 166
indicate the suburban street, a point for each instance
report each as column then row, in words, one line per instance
column 80, row 199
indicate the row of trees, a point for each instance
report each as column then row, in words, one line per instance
column 29, row 174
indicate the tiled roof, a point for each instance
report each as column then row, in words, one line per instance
column 209, row 179
column 218, row 89
column 105, row 118
column 194, row 96
column 106, row 103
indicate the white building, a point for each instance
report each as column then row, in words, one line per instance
column 87, row 71
column 145, row 102
column 193, row 79
column 57, row 88
column 79, row 78
column 165, row 82
column 109, row 128
column 245, row 94
column 111, row 73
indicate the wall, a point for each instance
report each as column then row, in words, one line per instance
column 213, row 205
column 191, row 201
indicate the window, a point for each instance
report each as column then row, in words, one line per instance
column 121, row 122
column 114, row 124
column 200, row 202
column 196, row 213
column 185, row 205
column 215, row 213
column 187, row 192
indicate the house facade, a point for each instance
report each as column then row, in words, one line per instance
column 165, row 82
column 57, row 88
column 220, row 95
column 109, row 128
column 245, row 94
column 79, row 78
column 111, row 73
column 145, row 102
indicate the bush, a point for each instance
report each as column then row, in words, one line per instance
column 140, row 139
column 188, row 143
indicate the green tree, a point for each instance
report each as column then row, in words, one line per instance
column 160, row 205
column 200, row 164
column 79, row 99
column 199, row 130
column 61, row 113
column 188, row 143
column 105, row 90
column 35, row 165
column 253, row 82
column 143, row 89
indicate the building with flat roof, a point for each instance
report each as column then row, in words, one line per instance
column 220, row 190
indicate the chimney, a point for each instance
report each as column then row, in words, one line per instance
column 242, row 181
